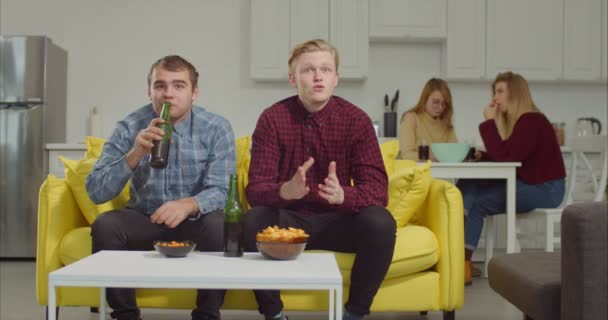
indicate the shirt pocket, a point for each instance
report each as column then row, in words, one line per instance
column 192, row 174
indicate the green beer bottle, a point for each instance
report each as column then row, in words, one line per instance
column 160, row 151
column 233, row 222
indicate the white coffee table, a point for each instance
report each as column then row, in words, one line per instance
column 200, row 270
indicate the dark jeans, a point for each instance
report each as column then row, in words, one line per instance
column 370, row 234
column 128, row 229
column 488, row 197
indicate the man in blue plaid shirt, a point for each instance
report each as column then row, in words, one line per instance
column 183, row 201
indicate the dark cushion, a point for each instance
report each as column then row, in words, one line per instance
column 530, row 281
column 585, row 264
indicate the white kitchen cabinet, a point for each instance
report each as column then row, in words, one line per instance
column 604, row 40
column 407, row 20
column 525, row 37
column 73, row 151
column 269, row 39
column 277, row 25
column 583, row 39
column 349, row 34
column 308, row 20
column 465, row 49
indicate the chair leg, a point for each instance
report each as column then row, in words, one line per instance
column 490, row 233
column 449, row 315
column 94, row 310
column 47, row 313
column 424, row 313
column 549, row 233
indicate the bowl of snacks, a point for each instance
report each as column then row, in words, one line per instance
column 281, row 244
column 174, row 249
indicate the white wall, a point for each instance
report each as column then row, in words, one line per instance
column 111, row 44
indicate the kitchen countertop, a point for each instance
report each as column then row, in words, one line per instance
column 66, row 146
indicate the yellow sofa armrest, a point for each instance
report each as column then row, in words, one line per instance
column 58, row 213
column 442, row 212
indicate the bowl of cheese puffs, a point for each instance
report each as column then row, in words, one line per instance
column 281, row 243
column 174, row 249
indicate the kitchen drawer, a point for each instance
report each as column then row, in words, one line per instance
column 72, row 151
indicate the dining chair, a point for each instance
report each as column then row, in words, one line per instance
column 580, row 172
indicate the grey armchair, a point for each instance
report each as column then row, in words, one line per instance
column 568, row 285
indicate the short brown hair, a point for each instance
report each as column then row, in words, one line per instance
column 174, row 63
column 311, row 46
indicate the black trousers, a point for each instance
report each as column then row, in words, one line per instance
column 128, row 229
column 370, row 234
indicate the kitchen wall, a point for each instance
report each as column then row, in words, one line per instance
column 112, row 43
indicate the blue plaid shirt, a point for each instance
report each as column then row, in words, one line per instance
column 201, row 159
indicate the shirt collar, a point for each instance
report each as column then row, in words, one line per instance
column 182, row 128
column 320, row 116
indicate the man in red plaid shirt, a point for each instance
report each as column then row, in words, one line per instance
column 316, row 165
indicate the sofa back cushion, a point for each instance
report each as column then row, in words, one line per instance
column 408, row 187
column 389, row 151
column 243, row 160
column 76, row 172
column 94, row 147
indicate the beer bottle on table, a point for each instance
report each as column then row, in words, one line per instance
column 160, row 151
column 233, row 222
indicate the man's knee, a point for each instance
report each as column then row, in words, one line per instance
column 376, row 219
column 105, row 222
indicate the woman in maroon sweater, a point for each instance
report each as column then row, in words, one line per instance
column 514, row 130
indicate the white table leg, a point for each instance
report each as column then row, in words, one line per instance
column 511, row 232
column 102, row 303
column 52, row 303
column 332, row 304
column 339, row 302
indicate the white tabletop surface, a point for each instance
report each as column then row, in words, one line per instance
column 205, row 270
column 151, row 269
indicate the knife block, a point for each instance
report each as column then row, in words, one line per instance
column 390, row 124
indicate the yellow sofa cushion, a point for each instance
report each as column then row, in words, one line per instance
column 416, row 249
column 408, row 187
column 94, row 147
column 76, row 172
column 75, row 245
column 389, row 151
column 243, row 160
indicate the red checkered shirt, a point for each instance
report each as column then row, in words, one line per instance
column 287, row 134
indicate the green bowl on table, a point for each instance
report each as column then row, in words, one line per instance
column 450, row 152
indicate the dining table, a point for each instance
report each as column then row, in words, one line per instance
column 485, row 170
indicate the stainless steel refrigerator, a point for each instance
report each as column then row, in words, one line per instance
column 33, row 89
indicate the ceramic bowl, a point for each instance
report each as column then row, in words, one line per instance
column 281, row 250
column 174, row 249
column 450, row 152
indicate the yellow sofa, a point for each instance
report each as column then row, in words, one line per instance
column 426, row 273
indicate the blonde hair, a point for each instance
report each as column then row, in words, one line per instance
column 520, row 99
column 435, row 84
column 311, row 46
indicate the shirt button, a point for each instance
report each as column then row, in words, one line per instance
column 309, row 126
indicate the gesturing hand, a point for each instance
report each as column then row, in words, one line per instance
column 331, row 190
column 296, row 187
column 172, row 213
